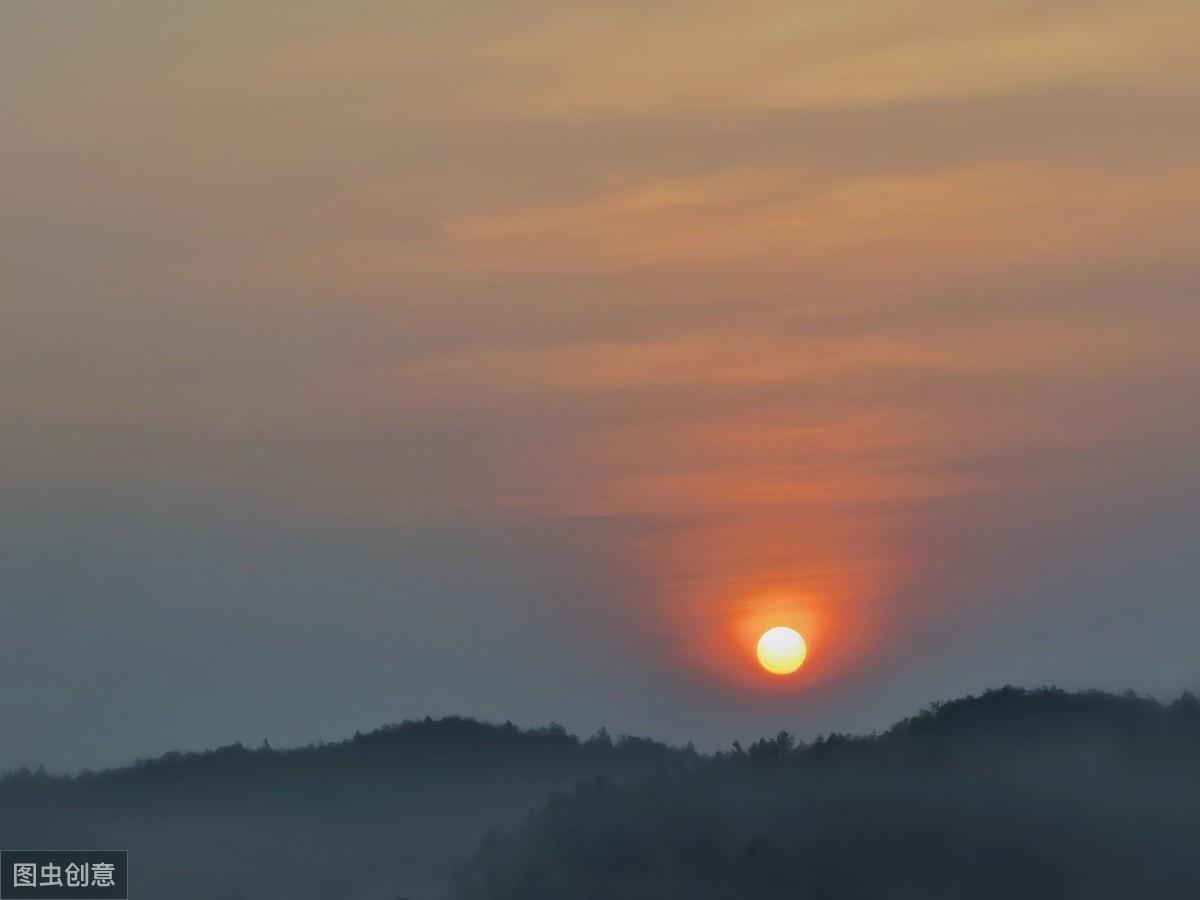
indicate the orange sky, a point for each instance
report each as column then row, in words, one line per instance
column 786, row 298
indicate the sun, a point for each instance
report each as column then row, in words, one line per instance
column 781, row 650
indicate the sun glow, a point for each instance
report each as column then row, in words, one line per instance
column 781, row 650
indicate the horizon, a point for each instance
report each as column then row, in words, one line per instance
column 318, row 743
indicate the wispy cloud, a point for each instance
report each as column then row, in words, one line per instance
column 785, row 300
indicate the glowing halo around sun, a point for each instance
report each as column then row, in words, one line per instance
column 781, row 650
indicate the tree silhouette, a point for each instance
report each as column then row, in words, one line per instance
column 1013, row 794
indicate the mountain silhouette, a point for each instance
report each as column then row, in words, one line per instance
column 1012, row 794
column 381, row 815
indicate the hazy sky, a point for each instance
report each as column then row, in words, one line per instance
column 526, row 359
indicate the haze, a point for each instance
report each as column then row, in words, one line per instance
column 368, row 360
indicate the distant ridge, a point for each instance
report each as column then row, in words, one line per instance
column 419, row 743
column 1035, row 794
column 382, row 813
column 1032, row 794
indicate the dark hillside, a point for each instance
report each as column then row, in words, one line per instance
column 380, row 815
column 1014, row 794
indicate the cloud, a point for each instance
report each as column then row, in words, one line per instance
column 785, row 302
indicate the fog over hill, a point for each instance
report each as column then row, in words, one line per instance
column 1011, row 794
column 381, row 815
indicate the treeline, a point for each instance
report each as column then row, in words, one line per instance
column 411, row 751
column 382, row 814
column 1014, row 794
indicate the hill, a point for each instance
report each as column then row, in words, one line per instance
column 381, row 815
column 1015, row 794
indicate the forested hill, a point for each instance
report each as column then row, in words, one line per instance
column 380, row 815
column 411, row 752
column 1014, row 794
